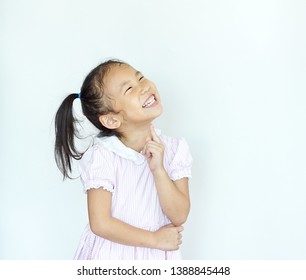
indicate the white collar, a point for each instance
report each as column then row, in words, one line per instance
column 113, row 144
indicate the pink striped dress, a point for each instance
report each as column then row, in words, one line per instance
column 124, row 172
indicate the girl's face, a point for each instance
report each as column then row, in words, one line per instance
column 133, row 96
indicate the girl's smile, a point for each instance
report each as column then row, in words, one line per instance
column 150, row 102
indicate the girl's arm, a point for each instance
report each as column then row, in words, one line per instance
column 103, row 224
column 173, row 195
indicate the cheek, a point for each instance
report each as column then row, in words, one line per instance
column 131, row 104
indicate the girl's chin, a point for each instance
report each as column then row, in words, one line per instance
column 159, row 111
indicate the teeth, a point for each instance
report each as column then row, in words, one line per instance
column 149, row 102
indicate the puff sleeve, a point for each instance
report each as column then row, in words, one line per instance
column 96, row 169
column 181, row 163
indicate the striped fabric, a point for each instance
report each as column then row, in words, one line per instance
column 125, row 173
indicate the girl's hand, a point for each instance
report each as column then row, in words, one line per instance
column 169, row 237
column 154, row 151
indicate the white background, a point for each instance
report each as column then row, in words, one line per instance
column 232, row 79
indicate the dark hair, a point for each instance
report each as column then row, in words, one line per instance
column 94, row 103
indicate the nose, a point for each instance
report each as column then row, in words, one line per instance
column 144, row 89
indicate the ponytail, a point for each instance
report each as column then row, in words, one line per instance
column 94, row 104
column 65, row 131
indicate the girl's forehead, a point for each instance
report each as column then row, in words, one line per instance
column 119, row 71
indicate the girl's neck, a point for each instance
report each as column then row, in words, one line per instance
column 136, row 138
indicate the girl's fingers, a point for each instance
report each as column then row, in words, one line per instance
column 153, row 151
column 154, row 135
column 144, row 150
column 152, row 147
column 151, row 141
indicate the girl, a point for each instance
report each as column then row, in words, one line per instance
column 136, row 179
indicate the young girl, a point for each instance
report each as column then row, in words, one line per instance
column 136, row 178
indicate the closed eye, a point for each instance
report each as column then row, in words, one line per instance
column 128, row 89
column 142, row 77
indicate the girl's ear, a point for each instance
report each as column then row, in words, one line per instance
column 110, row 120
